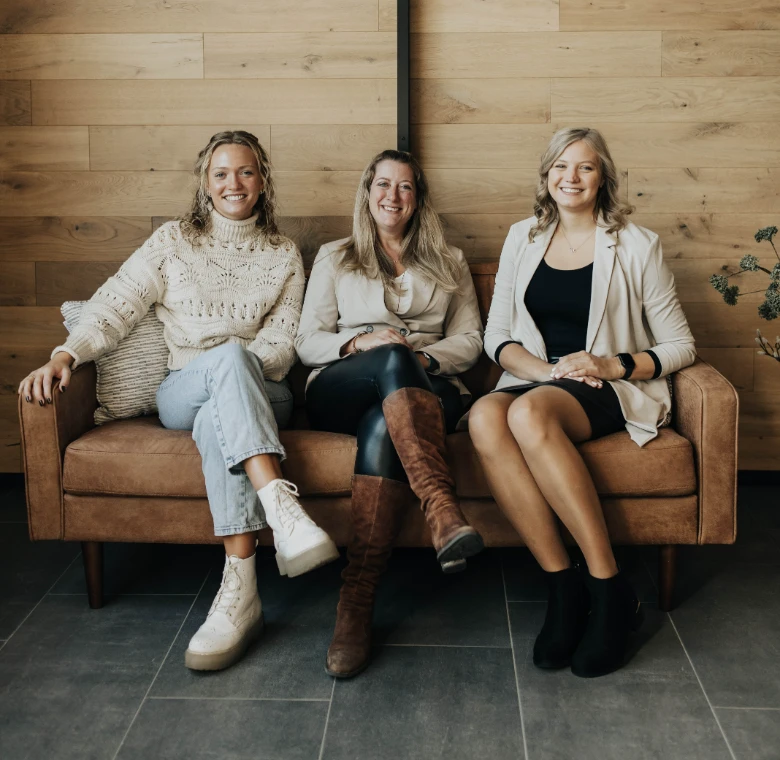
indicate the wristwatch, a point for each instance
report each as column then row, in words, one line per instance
column 433, row 364
column 628, row 364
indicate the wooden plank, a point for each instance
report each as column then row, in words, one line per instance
column 95, row 193
column 303, row 55
column 735, row 363
column 478, row 16
column 481, row 146
column 156, row 148
column 57, row 282
column 716, row 325
column 692, row 279
column 480, row 101
column 15, row 103
column 29, row 327
column 665, row 99
column 725, row 54
column 388, row 15
column 705, row 236
column 310, row 232
column 102, row 56
column 482, row 191
column 668, row 14
column 80, row 238
column 565, row 54
column 759, row 414
column 17, row 283
column 480, row 236
column 193, row 102
column 44, row 148
column 705, row 190
column 759, row 452
column 140, row 16
column 16, row 363
column 316, row 193
column 699, row 144
column 10, row 449
column 766, row 370
column 335, row 147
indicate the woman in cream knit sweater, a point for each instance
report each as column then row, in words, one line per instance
column 228, row 289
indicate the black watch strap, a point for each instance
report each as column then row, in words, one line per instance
column 628, row 364
column 433, row 363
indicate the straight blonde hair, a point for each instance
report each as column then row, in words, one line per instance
column 423, row 249
column 608, row 204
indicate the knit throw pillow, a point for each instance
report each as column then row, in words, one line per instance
column 128, row 376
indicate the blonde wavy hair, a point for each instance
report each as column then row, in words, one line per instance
column 196, row 222
column 608, row 204
column 423, row 249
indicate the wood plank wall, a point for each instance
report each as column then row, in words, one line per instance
column 104, row 107
column 687, row 93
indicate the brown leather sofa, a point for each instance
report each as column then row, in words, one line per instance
column 133, row 480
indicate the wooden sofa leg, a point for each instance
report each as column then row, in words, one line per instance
column 92, row 553
column 667, row 569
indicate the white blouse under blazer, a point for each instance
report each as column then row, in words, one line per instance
column 633, row 307
column 340, row 304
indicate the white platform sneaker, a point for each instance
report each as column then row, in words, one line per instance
column 300, row 544
column 234, row 620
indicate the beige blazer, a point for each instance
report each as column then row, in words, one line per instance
column 633, row 307
column 340, row 304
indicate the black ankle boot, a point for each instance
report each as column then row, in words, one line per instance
column 614, row 613
column 564, row 624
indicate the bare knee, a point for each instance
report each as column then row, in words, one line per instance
column 531, row 422
column 488, row 422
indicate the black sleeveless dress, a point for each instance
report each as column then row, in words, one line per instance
column 558, row 301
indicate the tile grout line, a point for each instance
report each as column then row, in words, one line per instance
column 246, row 699
column 693, row 668
column 327, row 720
column 703, row 690
column 53, row 585
column 164, row 659
column 514, row 664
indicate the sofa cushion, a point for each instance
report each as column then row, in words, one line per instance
column 139, row 457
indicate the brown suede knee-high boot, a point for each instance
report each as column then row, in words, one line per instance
column 415, row 421
column 378, row 507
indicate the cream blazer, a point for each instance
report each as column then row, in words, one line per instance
column 338, row 305
column 633, row 307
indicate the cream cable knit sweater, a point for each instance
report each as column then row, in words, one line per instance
column 228, row 289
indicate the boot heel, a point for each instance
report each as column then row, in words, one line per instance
column 281, row 564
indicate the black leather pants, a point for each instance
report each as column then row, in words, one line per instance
column 346, row 397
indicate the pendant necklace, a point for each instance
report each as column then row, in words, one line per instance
column 568, row 242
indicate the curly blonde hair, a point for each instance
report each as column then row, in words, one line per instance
column 608, row 204
column 196, row 222
column 423, row 249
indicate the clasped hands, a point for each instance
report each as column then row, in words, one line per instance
column 367, row 341
column 584, row 367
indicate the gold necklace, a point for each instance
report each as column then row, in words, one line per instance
column 568, row 242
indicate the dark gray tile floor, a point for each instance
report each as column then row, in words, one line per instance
column 452, row 676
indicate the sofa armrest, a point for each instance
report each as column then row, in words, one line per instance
column 46, row 433
column 706, row 411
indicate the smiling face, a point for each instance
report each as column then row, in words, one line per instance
column 234, row 181
column 392, row 199
column 574, row 178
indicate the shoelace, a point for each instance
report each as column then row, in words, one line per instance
column 226, row 596
column 290, row 511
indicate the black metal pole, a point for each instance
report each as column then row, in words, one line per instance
column 404, row 74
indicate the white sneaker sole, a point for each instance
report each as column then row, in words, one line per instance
column 310, row 559
column 225, row 658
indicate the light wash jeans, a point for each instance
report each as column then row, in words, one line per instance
column 234, row 413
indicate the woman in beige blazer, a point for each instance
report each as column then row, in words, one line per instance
column 586, row 324
column 389, row 320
